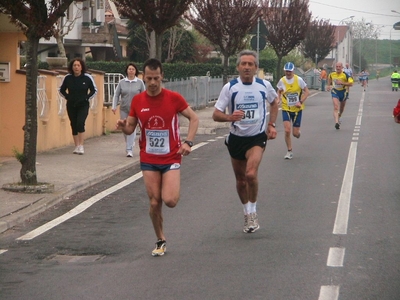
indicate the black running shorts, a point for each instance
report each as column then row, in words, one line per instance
column 238, row 145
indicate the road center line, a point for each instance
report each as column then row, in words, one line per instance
column 329, row 292
column 85, row 205
column 335, row 257
column 342, row 213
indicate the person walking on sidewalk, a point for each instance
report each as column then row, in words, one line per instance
column 78, row 87
column 323, row 76
column 161, row 150
column 128, row 87
column 292, row 92
column 337, row 83
column 246, row 99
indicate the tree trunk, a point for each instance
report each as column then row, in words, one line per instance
column 152, row 48
column 225, row 69
column 159, row 45
column 60, row 45
column 278, row 69
column 28, row 161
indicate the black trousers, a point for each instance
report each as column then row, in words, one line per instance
column 77, row 117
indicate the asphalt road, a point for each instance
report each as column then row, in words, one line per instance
column 329, row 222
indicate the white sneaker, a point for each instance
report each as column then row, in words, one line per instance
column 289, row 155
column 76, row 150
column 253, row 222
column 246, row 224
column 81, row 150
column 129, row 154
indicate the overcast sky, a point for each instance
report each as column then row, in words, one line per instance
column 376, row 11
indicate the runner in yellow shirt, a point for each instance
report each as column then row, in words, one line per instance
column 337, row 83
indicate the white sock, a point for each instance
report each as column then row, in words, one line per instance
column 252, row 207
column 246, row 208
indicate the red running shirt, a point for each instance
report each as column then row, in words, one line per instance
column 159, row 126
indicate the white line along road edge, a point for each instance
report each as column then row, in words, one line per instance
column 85, row 205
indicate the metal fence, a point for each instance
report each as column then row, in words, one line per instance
column 41, row 98
column 312, row 80
column 110, row 84
column 43, row 103
column 198, row 91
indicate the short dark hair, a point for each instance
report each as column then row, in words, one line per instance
column 133, row 65
column 152, row 64
column 71, row 63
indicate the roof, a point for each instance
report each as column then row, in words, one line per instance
column 340, row 33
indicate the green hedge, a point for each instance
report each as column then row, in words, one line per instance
column 175, row 70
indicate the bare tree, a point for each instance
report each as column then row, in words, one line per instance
column 287, row 23
column 225, row 23
column 157, row 16
column 362, row 31
column 319, row 40
column 36, row 18
column 62, row 29
column 175, row 36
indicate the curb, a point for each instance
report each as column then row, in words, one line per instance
column 48, row 201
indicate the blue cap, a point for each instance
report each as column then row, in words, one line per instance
column 288, row 67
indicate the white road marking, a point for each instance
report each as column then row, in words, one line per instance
column 85, row 205
column 358, row 122
column 335, row 257
column 342, row 213
column 329, row 292
column 197, row 146
column 3, row 251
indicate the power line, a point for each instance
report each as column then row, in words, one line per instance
column 355, row 10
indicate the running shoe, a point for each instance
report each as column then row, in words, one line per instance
column 289, row 155
column 337, row 126
column 246, row 224
column 76, row 150
column 81, row 151
column 129, row 153
column 253, row 222
column 160, row 249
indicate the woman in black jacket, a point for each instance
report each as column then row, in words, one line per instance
column 78, row 88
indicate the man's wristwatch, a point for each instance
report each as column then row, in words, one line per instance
column 271, row 124
column 190, row 143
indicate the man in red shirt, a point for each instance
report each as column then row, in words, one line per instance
column 161, row 150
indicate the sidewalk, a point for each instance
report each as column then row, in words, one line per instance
column 104, row 156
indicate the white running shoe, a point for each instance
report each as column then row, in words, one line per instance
column 246, row 224
column 76, row 150
column 253, row 222
column 289, row 155
column 81, row 150
column 129, row 154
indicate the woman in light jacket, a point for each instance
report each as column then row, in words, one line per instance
column 128, row 87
